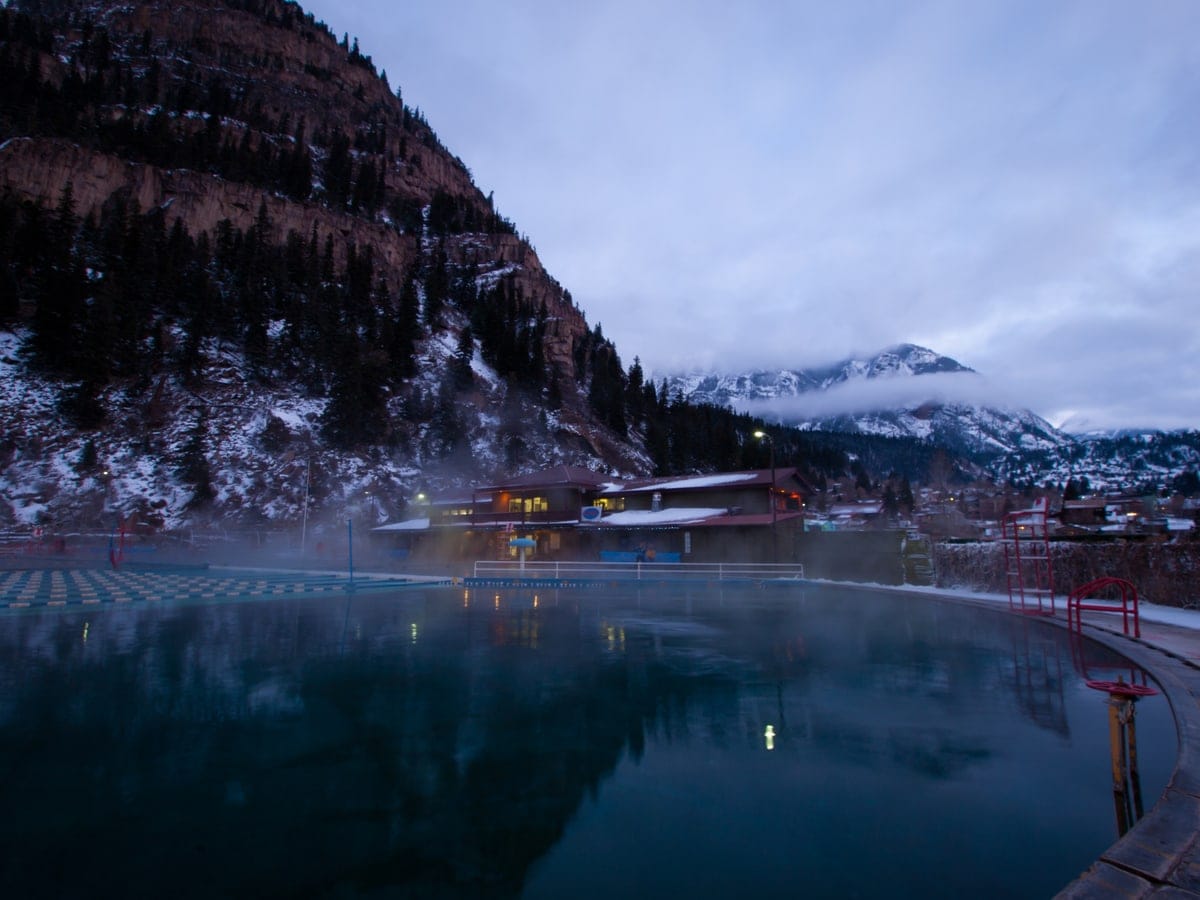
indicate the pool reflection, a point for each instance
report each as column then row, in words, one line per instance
column 448, row 743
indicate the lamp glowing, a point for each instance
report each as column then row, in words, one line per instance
column 763, row 436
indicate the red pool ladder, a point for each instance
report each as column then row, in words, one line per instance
column 1122, row 694
column 1026, row 538
column 1084, row 598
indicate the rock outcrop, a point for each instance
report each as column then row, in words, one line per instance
column 289, row 69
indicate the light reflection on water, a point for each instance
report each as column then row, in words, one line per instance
column 584, row 744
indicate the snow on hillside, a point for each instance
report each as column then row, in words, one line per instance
column 261, row 445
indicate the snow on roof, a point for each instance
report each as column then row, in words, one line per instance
column 460, row 500
column 683, row 484
column 558, row 476
column 1178, row 524
column 634, row 518
column 872, row 508
column 406, row 525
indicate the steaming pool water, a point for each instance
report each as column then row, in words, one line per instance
column 442, row 742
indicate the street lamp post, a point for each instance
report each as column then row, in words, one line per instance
column 304, row 516
column 763, row 436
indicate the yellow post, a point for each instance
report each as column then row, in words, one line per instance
column 1116, row 746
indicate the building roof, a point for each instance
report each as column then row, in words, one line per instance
column 865, row 508
column 640, row 518
column 690, row 517
column 558, row 476
column 406, row 525
column 456, row 500
column 716, row 482
column 1086, row 503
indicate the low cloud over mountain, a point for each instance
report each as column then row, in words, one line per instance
column 903, row 391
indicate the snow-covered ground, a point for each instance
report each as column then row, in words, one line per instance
column 1149, row 612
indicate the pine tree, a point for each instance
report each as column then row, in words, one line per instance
column 554, row 396
column 82, row 406
column 194, row 469
column 60, row 289
column 366, row 190
column 447, row 431
column 404, row 331
column 437, row 282
column 891, row 503
column 512, row 431
column 606, row 394
column 339, row 171
column 635, row 394
column 460, row 368
column 356, row 414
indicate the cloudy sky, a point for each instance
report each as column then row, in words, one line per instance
column 776, row 184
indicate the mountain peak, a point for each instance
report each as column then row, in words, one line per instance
column 902, row 391
column 909, row 359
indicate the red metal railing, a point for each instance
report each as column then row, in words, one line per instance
column 1026, row 537
column 1082, row 598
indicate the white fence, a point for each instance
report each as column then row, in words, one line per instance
column 635, row 571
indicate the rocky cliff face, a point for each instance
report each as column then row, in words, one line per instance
column 247, row 116
column 37, row 169
column 288, row 69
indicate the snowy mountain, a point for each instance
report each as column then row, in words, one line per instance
column 903, row 391
column 738, row 390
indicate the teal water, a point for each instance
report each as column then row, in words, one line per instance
column 445, row 743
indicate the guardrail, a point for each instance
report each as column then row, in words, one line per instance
column 635, row 571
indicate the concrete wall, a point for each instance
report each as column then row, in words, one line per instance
column 872, row 556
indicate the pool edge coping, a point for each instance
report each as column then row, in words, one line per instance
column 1160, row 854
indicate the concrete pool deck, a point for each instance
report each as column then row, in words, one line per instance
column 1160, row 856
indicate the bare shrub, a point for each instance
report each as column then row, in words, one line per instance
column 1164, row 571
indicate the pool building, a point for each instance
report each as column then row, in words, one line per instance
column 571, row 512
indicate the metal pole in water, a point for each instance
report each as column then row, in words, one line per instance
column 1116, row 746
column 350, row 548
column 1135, row 778
column 304, row 519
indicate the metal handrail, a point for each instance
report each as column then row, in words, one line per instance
column 568, row 570
column 1086, row 598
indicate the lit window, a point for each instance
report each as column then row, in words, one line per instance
column 528, row 504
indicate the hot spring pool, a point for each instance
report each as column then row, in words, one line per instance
column 592, row 743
